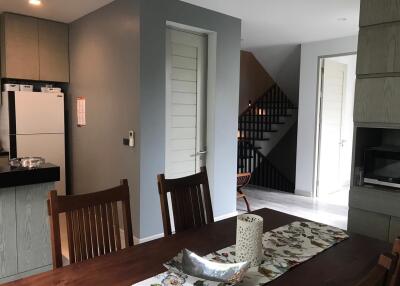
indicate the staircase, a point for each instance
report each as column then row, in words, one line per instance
column 262, row 123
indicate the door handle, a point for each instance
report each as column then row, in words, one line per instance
column 199, row 153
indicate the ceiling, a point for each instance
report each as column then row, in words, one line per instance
column 264, row 22
column 58, row 10
column 280, row 22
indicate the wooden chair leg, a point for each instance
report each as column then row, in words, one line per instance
column 247, row 204
column 242, row 195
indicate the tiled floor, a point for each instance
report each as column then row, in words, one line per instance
column 330, row 210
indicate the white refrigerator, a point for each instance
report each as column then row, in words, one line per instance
column 32, row 124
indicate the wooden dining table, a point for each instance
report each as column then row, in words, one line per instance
column 343, row 264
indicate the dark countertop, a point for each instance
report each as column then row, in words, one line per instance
column 4, row 153
column 11, row 177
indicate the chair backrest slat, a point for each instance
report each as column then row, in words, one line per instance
column 198, row 215
column 190, row 199
column 70, row 237
column 88, row 236
column 81, row 230
column 76, row 236
column 93, row 230
column 116, row 225
column 92, row 222
column 99, row 229
column 110, row 221
column 103, row 209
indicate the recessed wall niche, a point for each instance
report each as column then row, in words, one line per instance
column 377, row 155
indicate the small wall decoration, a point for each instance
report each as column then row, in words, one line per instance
column 81, row 111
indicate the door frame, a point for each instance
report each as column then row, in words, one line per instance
column 318, row 120
column 198, row 40
column 210, row 90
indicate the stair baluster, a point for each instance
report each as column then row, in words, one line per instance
column 254, row 124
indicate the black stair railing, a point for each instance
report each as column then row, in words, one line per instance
column 264, row 174
column 257, row 123
column 259, row 118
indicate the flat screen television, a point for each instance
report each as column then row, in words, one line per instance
column 382, row 166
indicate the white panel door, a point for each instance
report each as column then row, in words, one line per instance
column 333, row 91
column 186, row 113
column 39, row 112
column 51, row 147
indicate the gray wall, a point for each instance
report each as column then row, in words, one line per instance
column 308, row 106
column 104, row 68
column 282, row 62
column 283, row 156
column 118, row 64
column 222, row 129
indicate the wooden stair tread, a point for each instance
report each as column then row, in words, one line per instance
column 252, row 139
column 257, row 130
column 256, row 148
column 247, row 122
column 268, row 115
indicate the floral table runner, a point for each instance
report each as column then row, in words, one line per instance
column 283, row 248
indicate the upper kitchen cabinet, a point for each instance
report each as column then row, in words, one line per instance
column 53, row 51
column 379, row 49
column 19, row 47
column 377, row 100
column 379, row 11
column 34, row 49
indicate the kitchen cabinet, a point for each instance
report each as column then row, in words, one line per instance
column 394, row 230
column 377, row 100
column 33, row 234
column 24, row 231
column 34, row 49
column 19, row 47
column 379, row 11
column 8, row 233
column 368, row 223
column 379, row 49
column 53, row 51
column 25, row 243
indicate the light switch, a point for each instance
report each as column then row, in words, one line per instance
column 131, row 138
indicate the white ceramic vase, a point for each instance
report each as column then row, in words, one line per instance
column 249, row 233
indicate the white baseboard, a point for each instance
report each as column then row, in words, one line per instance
column 137, row 240
column 302, row 193
column 225, row 216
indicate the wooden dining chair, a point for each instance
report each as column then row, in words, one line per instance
column 191, row 201
column 395, row 278
column 381, row 274
column 92, row 223
column 243, row 179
